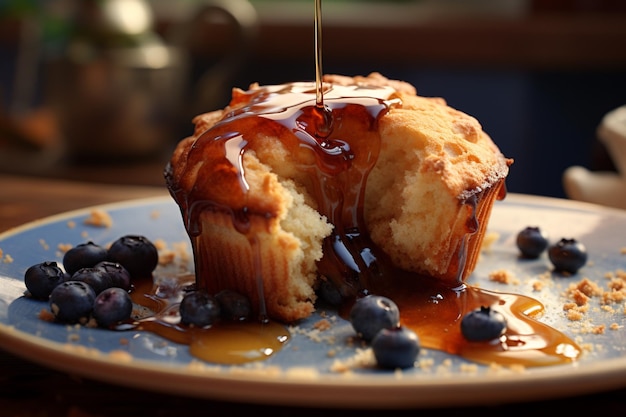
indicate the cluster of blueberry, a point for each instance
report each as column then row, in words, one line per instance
column 376, row 320
column 567, row 255
column 94, row 281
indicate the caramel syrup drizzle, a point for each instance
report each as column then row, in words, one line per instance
column 337, row 166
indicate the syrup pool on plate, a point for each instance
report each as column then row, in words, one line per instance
column 223, row 343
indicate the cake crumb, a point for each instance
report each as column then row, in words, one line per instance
column 470, row 368
column 616, row 291
column 322, row 325
column 71, row 224
column 586, row 347
column 120, row 356
column 579, row 297
column 580, row 294
column 500, row 369
column 598, row 329
column 305, row 372
column 361, row 359
column 607, row 308
column 425, row 364
column 178, row 253
column 82, row 350
column 587, row 287
column 517, row 368
column 494, row 367
column 91, row 322
column 503, row 276
column 45, row 315
column 160, row 244
column 64, row 247
column 7, row 259
column 182, row 251
column 99, row 218
column 166, row 257
column 537, row 285
column 574, row 315
column 488, row 241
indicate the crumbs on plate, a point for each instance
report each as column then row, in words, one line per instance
column 99, row 218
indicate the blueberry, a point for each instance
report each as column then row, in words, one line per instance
column 97, row 278
column 111, row 306
column 199, row 309
column 82, row 256
column 531, row 242
column 372, row 313
column 483, row 324
column 120, row 277
column 72, row 302
column 568, row 255
column 136, row 253
column 234, row 306
column 40, row 279
column 397, row 347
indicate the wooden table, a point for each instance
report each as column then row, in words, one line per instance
column 28, row 389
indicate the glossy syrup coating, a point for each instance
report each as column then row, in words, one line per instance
column 375, row 163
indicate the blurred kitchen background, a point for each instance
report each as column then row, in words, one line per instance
column 102, row 90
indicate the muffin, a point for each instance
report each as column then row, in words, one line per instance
column 281, row 193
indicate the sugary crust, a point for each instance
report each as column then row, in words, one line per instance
column 445, row 141
column 373, row 79
column 433, row 159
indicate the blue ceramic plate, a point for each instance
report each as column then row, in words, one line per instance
column 304, row 371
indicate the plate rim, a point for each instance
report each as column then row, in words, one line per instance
column 337, row 391
column 305, row 390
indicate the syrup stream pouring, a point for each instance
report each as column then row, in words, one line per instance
column 319, row 97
